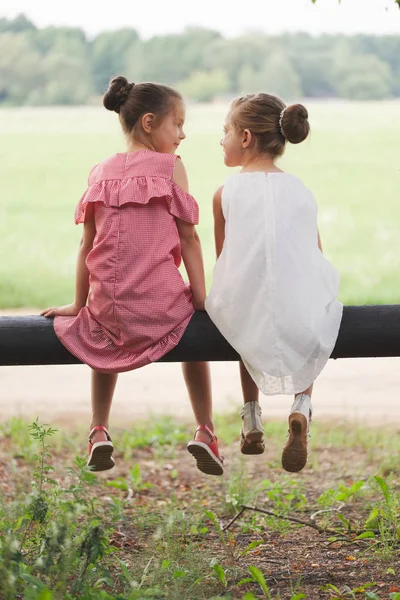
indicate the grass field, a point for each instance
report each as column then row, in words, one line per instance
column 350, row 162
column 154, row 527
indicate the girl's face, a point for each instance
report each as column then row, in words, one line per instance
column 232, row 145
column 167, row 136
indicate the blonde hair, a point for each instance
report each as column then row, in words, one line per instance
column 270, row 121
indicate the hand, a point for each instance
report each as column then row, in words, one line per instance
column 69, row 310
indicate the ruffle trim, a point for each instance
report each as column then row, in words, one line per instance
column 139, row 190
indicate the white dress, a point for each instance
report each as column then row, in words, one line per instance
column 274, row 294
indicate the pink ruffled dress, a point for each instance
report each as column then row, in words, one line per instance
column 139, row 306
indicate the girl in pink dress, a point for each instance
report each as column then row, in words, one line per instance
column 131, row 304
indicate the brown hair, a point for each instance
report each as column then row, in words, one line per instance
column 261, row 114
column 131, row 101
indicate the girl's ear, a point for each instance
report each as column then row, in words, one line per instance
column 148, row 122
column 247, row 138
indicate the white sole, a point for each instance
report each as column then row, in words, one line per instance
column 101, row 458
column 206, row 461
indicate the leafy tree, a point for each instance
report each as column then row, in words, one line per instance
column 21, row 24
column 20, row 68
column 205, row 85
column 359, row 76
column 71, row 39
column 277, row 76
column 234, row 54
column 312, row 59
column 109, row 54
column 364, row 77
column 67, row 81
column 58, row 64
column 387, row 48
column 170, row 58
column 249, row 80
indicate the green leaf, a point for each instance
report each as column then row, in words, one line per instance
column 371, row 521
column 119, row 483
column 95, row 523
column 178, row 574
column 346, row 493
column 21, row 521
column 298, row 597
column 45, row 595
column 245, row 580
column 345, row 521
column 390, row 571
column 330, row 586
column 251, row 547
column 165, row 564
column 203, row 530
column 362, row 588
column 259, row 578
column 366, row 534
column 384, row 487
column 220, row 574
column 211, row 516
column 135, row 474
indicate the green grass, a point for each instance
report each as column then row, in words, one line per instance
column 156, row 528
column 350, row 162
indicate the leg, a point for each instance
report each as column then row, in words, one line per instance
column 198, row 382
column 252, row 433
column 294, row 455
column 249, row 388
column 103, row 386
column 204, row 448
column 307, row 392
column 100, row 445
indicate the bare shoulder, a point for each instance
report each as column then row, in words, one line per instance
column 180, row 176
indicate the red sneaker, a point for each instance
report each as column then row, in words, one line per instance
column 100, row 453
column 206, row 454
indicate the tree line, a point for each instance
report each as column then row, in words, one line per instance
column 61, row 65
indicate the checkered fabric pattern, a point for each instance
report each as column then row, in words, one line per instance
column 138, row 306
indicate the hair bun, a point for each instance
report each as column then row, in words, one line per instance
column 117, row 93
column 295, row 126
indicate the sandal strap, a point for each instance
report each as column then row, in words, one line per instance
column 213, row 441
column 99, row 428
column 207, row 430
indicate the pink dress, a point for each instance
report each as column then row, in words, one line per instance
column 138, row 306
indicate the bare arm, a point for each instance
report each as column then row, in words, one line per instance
column 319, row 242
column 190, row 246
column 193, row 261
column 82, row 273
column 219, row 221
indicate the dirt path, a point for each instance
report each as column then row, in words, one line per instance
column 362, row 389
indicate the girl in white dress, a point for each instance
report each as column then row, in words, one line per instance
column 274, row 294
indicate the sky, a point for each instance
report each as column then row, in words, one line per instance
column 230, row 17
